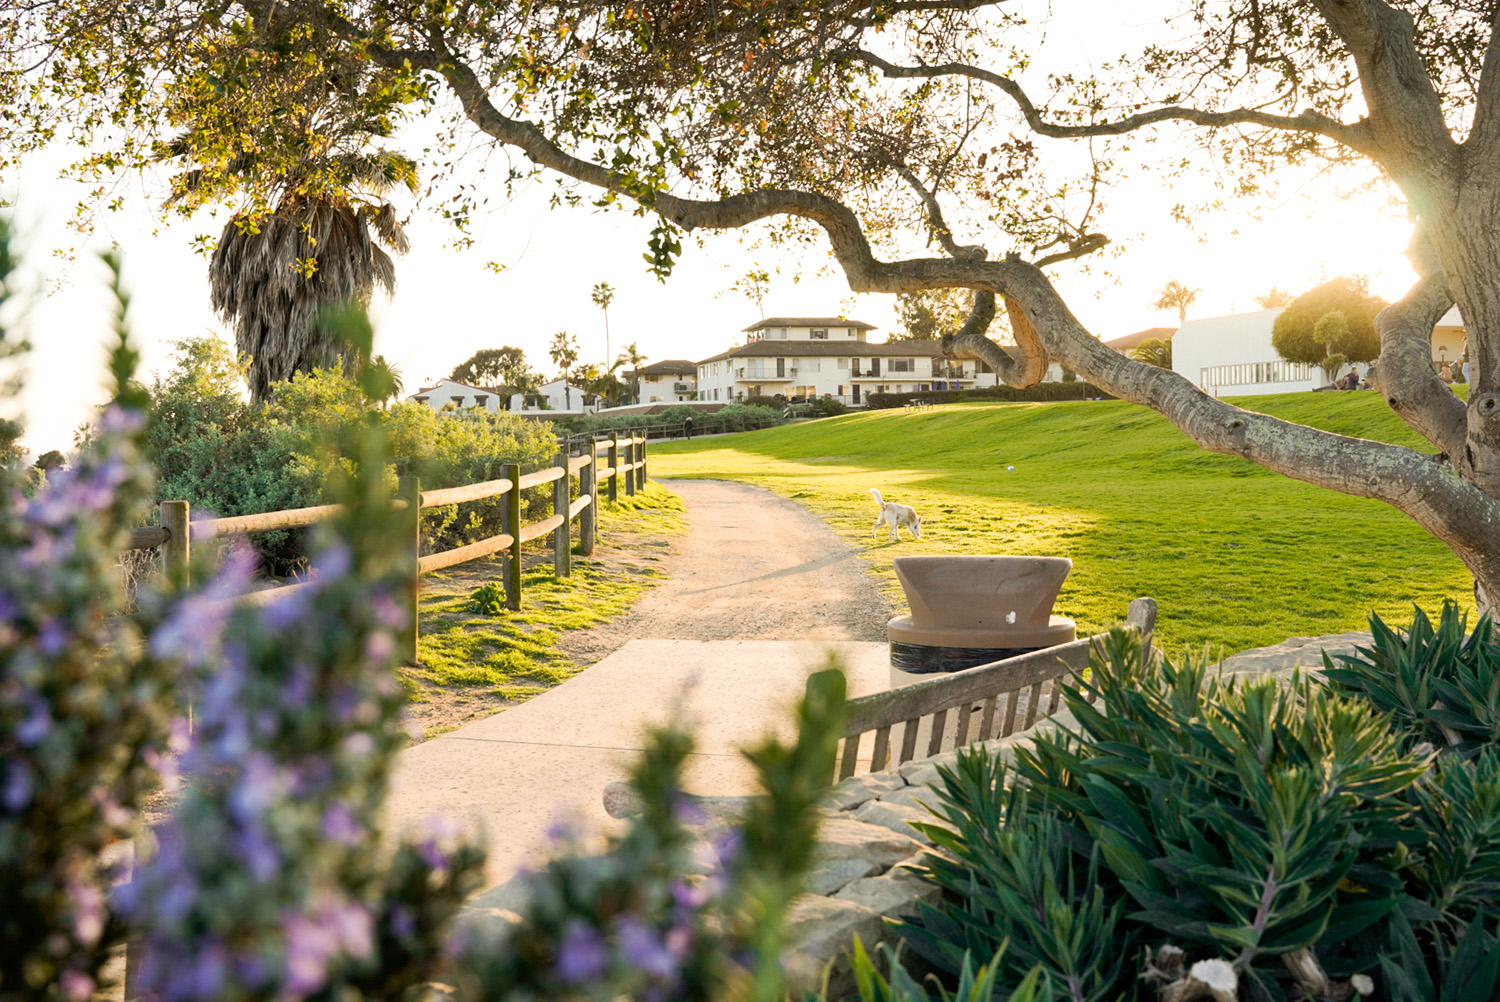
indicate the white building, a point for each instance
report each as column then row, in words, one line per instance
column 1232, row 355
column 806, row 357
column 461, row 396
column 562, row 397
column 672, row 381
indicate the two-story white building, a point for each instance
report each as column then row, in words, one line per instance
column 672, row 381
column 801, row 358
column 562, row 397
column 461, row 396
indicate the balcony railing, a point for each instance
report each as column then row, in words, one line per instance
column 683, row 388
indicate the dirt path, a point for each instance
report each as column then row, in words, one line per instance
column 753, row 566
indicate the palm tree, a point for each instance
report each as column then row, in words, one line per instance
column 275, row 276
column 564, row 354
column 388, row 377
column 1176, row 296
column 298, row 154
column 604, row 295
column 631, row 361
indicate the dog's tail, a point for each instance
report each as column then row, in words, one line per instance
column 878, row 499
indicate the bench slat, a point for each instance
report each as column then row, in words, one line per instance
column 851, row 752
column 939, row 722
column 1010, row 713
column 1033, row 698
column 987, row 721
column 909, row 739
column 882, row 751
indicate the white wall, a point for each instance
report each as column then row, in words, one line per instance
column 728, row 379
column 464, row 397
column 1224, row 356
column 662, row 389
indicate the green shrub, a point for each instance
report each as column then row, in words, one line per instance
column 1438, row 684
column 1272, row 825
column 228, row 457
column 488, row 598
column 1042, row 392
column 828, row 406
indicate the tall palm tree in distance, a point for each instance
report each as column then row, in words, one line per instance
column 1176, row 296
column 564, row 354
column 631, row 361
column 603, row 295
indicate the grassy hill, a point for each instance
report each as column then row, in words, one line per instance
column 1237, row 556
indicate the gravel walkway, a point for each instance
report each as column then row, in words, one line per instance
column 753, row 566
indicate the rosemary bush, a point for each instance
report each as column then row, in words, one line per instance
column 1297, row 834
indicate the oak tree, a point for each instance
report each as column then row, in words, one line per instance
column 916, row 139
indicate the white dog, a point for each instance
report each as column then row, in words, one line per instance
column 896, row 516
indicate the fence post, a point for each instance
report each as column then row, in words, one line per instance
column 410, row 490
column 562, row 552
column 177, row 550
column 614, row 467
column 513, row 528
column 630, row 465
column 641, row 484
column 588, row 485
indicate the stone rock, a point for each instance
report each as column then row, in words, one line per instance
column 896, row 817
column 823, row 929
column 857, row 789
column 848, row 838
column 1294, row 652
column 826, row 878
column 896, row 894
column 923, row 798
column 923, row 771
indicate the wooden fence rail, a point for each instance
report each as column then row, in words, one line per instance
column 626, row 461
column 988, row 699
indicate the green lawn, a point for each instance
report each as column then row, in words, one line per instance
column 472, row 663
column 1237, row 556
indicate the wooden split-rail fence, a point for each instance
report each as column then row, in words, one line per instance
column 986, row 702
column 613, row 466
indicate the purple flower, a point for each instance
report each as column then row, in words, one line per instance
column 76, row 985
column 388, row 612
column 16, row 793
column 260, row 854
column 36, row 726
column 53, row 639
column 581, row 955
column 689, row 896
column 340, row 825
column 332, row 564
column 260, row 785
column 402, row 924
column 643, row 949
column 380, row 648
column 310, row 945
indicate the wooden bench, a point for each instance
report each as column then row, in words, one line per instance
column 988, row 701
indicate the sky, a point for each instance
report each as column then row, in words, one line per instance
column 449, row 303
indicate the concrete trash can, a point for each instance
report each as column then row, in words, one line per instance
column 971, row 610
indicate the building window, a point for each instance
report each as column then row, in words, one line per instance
column 458, row 400
column 420, row 400
column 903, row 365
column 480, row 400
column 843, row 363
column 1249, row 373
column 818, row 334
